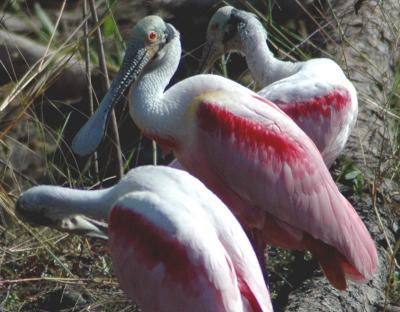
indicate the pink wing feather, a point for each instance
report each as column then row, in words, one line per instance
column 325, row 112
column 171, row 259
column 273, row 177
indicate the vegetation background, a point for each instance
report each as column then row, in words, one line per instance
column 48, row 51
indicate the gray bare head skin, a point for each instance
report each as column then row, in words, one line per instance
column 51, row 206
column 31, row 205
column 39, row 205
column 226, row 32
column 149, row 36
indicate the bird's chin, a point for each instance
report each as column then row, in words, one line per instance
column 34, row 218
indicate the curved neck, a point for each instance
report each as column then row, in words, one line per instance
column 146, row 107
column 94, row 204
column 264, row 67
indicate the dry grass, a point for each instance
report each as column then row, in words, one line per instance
column 43, row 269
column 38, row 265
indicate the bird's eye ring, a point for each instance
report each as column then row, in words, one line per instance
column 152, row 36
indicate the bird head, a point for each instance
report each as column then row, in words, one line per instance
column 32, row 206
column 226, row 32
column 148, row 45
column 42, row 206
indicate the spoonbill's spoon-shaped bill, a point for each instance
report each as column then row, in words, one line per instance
column 315, row 94
column 256, row 159
column 175, row 246
column 145, row 42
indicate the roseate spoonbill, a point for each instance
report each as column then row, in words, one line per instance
column 174, row 245
column 244, row 148
column 315, row 94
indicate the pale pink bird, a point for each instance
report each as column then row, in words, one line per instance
column 174, row 245
column 244, row 148
column 315, row 94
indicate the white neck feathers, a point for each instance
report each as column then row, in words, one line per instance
column 265, row 68
column 147, row 107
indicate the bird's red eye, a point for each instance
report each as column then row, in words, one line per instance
column 152, row 36
column 214, row 26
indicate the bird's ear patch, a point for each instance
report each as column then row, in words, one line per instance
column 82, row 225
